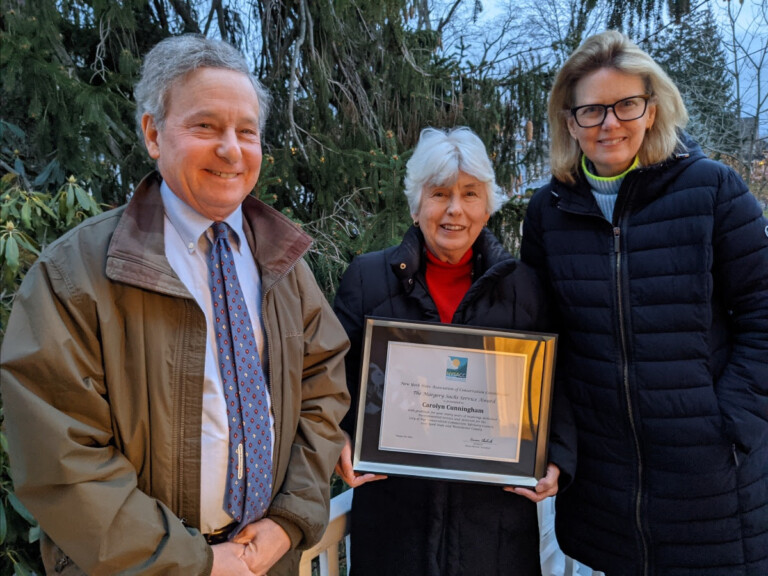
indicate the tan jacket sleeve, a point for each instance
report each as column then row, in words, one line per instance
column 58, row 419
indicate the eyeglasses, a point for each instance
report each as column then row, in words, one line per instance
column 626, row 109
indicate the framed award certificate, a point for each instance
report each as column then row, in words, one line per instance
column 454, row 402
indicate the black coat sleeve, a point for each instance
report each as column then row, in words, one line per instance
column 562, row 431
column 741, row 275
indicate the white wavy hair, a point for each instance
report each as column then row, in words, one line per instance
column 438, row 158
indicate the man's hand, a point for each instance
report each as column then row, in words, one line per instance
column 545, row 487
column 344, row 467
column 228, row 560
column 265, row 543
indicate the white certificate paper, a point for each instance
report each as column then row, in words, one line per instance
column 465, row 403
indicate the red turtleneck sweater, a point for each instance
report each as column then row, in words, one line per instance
column 447, row 283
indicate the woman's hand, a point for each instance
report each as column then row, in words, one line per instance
column 344, row 467
column 545, row 487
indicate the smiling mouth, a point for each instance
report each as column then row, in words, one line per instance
column 452, row 227
column 225, row 175
column 611, row 141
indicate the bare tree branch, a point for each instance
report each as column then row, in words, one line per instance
column 185, row 13
column 209, row 18
column 448, row 16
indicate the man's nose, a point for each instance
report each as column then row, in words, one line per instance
column 229, row 147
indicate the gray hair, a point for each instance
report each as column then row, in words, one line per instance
column 173, row 58
column 438, row 158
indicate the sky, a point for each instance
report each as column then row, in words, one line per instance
column 751, row 27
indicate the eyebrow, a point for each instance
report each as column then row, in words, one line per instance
column 202, row 114
column 616, row 102
column 449, row 183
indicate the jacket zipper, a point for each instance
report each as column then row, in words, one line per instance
column 628, row 396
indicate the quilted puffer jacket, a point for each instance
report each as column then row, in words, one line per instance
column 664, row 359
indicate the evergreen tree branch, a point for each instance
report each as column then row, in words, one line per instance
column 295, row 81
column 98, row 66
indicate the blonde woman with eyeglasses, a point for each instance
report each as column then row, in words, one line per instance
column 656, row 260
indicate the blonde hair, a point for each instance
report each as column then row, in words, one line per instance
column 612, row 49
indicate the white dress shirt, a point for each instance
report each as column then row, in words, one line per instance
column 188, row 241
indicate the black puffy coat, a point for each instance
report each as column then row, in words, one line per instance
column 414, row 527
column 664, row 357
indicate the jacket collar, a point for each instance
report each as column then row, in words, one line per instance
column 407, row 259
column 654, row 179
column 277, row 243
column 136, row 253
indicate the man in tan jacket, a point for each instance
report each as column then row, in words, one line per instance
column 115, row 412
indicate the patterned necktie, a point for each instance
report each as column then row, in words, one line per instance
column 249, row 474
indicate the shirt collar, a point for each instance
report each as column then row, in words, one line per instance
column 591, row 173
column 191, row 225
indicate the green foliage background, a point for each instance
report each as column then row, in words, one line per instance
column 30, row 220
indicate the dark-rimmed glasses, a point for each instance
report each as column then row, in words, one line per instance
column 626, row 109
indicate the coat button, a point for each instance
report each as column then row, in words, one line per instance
column 402, row 266
column 410, row 281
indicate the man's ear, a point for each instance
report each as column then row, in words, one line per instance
column 151, row 135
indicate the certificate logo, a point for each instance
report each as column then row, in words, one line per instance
column 456, row 368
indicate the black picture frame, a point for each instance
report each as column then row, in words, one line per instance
column 388, row 340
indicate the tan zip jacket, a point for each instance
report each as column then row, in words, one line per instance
column 102, row 379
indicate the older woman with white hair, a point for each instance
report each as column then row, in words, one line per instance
column 448, row 268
